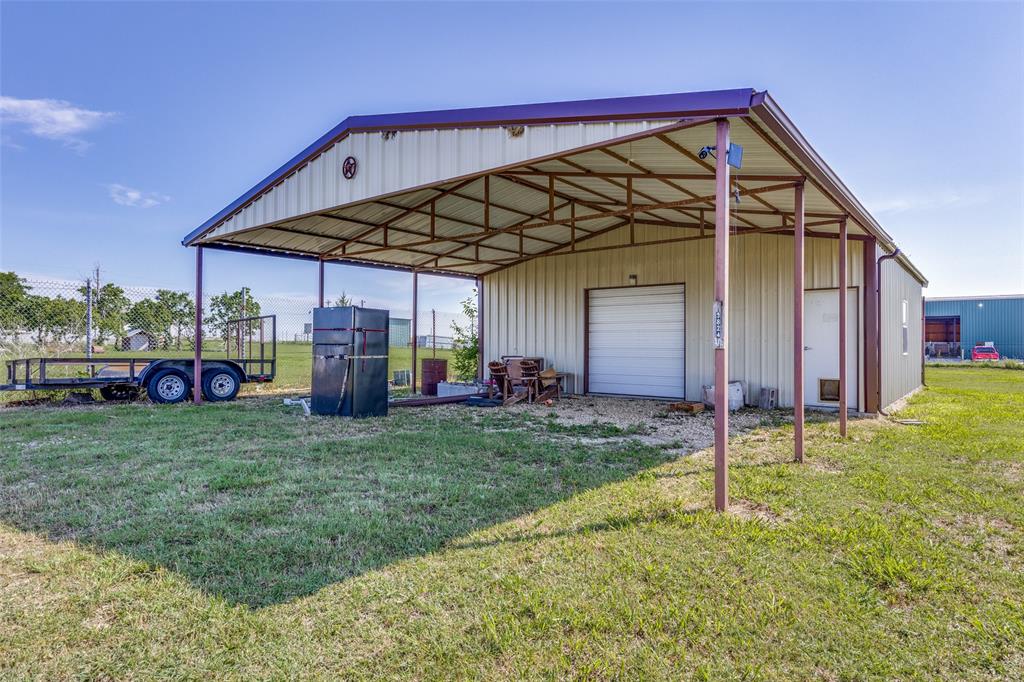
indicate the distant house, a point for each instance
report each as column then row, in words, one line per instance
column 138, row 339
column 953, row 326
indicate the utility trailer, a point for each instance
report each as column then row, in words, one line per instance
column 250, row 356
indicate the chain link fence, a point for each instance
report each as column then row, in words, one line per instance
column 62, row 318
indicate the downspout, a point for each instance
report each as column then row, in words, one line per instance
column 878, row 325
column 924, row 335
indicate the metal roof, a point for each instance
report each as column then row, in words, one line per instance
column 468, row 191
column 995, row 297
column 679, row 105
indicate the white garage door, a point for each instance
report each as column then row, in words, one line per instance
column 636, row 341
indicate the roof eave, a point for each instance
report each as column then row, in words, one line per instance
column 649, row 107
column 769, row 112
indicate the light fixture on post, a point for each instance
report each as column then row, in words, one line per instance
column 733, row 157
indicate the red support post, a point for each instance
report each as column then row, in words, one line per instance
column 798, row 322
column 843, row 407
column 721, row 333
column 197, row 362
column 415, row 306
column 320, row 284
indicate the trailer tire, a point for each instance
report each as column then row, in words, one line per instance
column 119, row 392
column 220, row 384
column 168, row 386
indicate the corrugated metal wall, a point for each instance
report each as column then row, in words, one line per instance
column 901, row 371
column 413, row 158
column 536, row 308
column 1000, row 320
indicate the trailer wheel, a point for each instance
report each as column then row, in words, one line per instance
column 168, row 386
column 220, row 384
column 119, row 392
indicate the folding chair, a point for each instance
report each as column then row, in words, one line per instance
column 550, row 386
column 522, row 381
column 499, row 379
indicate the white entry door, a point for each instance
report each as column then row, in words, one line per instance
column 821, row 347
column 635, row 341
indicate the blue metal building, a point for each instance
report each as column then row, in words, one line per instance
column 955, row 325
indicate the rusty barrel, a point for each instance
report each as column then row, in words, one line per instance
column 433, row 372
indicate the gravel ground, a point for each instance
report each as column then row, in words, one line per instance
column 655, row 425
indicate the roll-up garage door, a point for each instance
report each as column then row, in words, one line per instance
column 635, row 341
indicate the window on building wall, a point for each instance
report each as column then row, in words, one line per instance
column 906, row 330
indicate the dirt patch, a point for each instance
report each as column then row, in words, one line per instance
column 101, row 619
column 647, row 421
column 754, row 511
column 991, row 534
column 1003, row 469
column 824, row 465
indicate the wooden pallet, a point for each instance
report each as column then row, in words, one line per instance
column 686, row 406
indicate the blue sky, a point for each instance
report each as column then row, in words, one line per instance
column 157, row 115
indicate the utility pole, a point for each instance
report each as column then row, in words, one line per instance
column 88, row 318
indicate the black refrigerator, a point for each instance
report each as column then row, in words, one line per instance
column 350, row 362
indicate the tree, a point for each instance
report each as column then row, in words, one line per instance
column 343, row 300
column 109, row 312
column 180, row 308
column 465, row 344
column 55, row 319
column 225, row 307
column 154, row 319
column 13, row 298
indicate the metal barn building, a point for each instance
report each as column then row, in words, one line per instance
column 955, row 325
column 400, row 332
column 649, row 246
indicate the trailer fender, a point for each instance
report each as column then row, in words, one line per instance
column 187, row 366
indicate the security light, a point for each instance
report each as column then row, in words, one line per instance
column 734, row 157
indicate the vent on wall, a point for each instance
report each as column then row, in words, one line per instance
column 828, row 389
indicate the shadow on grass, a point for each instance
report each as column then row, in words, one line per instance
column 253, row 503
column 616, row 523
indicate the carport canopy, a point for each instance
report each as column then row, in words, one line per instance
column 540, row 204
column 469, row 192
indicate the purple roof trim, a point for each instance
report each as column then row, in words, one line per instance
column 680, row 105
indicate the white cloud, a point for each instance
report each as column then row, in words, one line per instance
column 52, row 119
column 930, row 201
column 129, row 196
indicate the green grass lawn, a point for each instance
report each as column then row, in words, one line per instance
column 242, row 540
